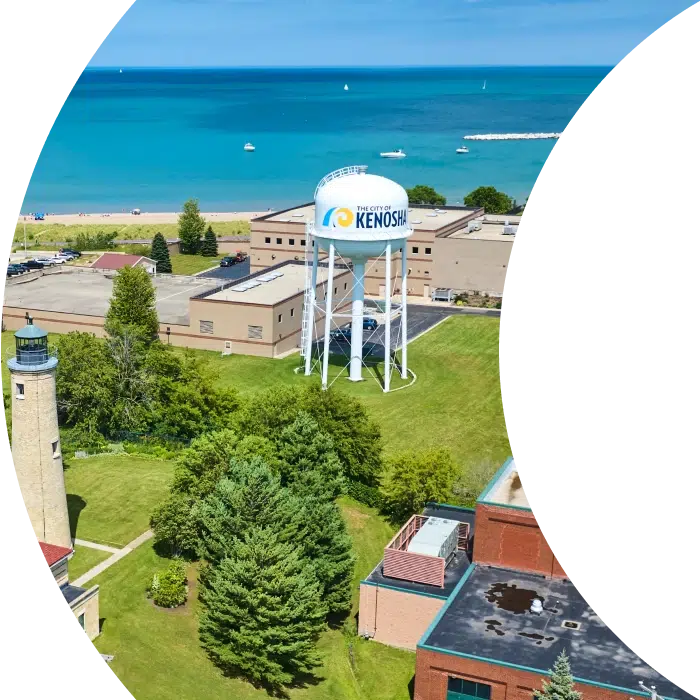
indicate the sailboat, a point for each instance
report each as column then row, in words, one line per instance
column 346, row 87
column 484, row 86
column 120, row 70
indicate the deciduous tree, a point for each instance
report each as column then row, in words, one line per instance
column 191, row 226
column 133, row 305
column 424, row 194
column 493, row 201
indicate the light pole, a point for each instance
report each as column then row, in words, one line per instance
column 651, row 691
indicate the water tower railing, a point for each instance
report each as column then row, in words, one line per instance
column 341, row 172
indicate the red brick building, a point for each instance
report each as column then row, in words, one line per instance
column 488, row 639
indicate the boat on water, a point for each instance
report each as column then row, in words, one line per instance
column 249, row 147
column 462, row 149
column 346, row 87
column 398, row 153
column 483, row 87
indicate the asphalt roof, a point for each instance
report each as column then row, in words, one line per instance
column 71, row 593
column 488, row 617
column 455, row 569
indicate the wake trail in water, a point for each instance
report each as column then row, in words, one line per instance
column 511, row 137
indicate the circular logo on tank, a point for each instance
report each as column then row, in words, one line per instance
column 338, row 216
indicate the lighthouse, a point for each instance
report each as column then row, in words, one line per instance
column 36, row 447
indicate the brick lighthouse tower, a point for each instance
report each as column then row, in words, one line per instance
column 36, row 448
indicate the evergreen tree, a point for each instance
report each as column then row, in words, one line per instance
column 263, row 611
column 161, row 254
column 210, row 246
column 249, row 496
column 560, row 685
column 303, row 447
column 191, row 225
column 133, row 305
column 327, row 545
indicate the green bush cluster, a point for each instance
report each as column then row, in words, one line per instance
column 99, row 241
column 169, row 587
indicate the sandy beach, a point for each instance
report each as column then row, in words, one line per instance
column 126, row 218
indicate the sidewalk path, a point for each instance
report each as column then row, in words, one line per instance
column 95, row 545
column 118, row 554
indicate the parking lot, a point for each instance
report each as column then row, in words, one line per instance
column 420, row 319
column 234, row 272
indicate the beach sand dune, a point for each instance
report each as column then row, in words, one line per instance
column 144, row 218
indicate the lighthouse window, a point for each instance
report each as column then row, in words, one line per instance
column 55, row 449
column 20, row 391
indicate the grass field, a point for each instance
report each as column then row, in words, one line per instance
column 110, row 499
column 158, row 657
column 38, row 232
column 456, row 401
column 83, row 559
column 192, row 264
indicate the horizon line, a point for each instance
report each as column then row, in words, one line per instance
column 351, row 67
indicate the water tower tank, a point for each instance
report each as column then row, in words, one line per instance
column 360, row 212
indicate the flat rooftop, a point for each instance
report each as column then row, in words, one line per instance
column 272, row 285
column 489, row 618
column 505, row 489
column 422, row 218
column 489, row 231
column 455, row 569
column 89, row 291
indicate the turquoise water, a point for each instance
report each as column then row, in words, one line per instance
column 153, row 138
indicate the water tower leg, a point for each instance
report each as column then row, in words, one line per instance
column 404, row 318
column 329, row 313
column 311, row 318
column 358, row 314
column 387, row 318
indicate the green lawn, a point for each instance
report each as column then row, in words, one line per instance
column 83, row 559
column 40, row 232
column 110, row 499
column 455, row 402
column 158, row 656
column 192, row 264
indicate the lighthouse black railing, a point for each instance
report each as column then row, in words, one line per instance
column 33, row 354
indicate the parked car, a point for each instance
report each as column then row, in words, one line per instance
column 33, row 265
column 13, row 270
column 46, row 262
column 228, row 261
column 58, row 259
column 369, row 324
column 70, row 251
column 342, row 334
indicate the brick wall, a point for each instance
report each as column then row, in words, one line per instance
column 395, row 618
column 512, row 539
column 433, row 670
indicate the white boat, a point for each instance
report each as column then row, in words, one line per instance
column 249, row 147
column 462, row 149
column 483, row 87
column 398, row 153
column 346, row 87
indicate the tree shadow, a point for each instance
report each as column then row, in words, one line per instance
column 76, row 504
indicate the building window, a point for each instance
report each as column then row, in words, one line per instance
column 267, row 239
column 55, row 448
column 292, row 313
column 335, row 290
column 81, row 620
column 206, row 327
column 303, row 241
column 255, row 332
column 279, row 241
column 414, row 249
column 20, row 391
column 428, row 251
column 458, row 689
column 291, row 241
column 345, row 286
column 279, row 318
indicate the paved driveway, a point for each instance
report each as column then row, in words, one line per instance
column 228, row 273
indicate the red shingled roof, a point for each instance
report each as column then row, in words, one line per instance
column 115, row 261
column 53, row 553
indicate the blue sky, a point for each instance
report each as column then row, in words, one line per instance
column 381, row 32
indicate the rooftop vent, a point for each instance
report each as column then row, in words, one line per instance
column 536, row 607
column 571, row 625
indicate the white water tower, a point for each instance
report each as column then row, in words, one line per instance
column 361, row 218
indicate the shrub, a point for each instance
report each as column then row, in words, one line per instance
column 169, row 587
column 369, row 495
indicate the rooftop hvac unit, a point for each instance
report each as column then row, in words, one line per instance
column 438, row 538
column 474, row 226
column 510, row 230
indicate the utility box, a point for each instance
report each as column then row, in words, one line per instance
column 437, row 538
